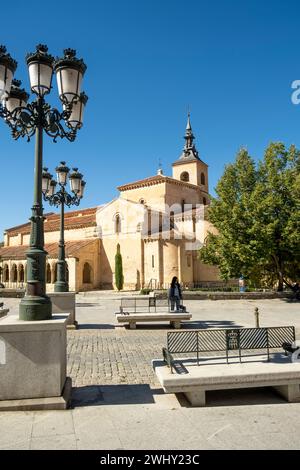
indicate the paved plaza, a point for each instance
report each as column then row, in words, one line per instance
column 118, row 403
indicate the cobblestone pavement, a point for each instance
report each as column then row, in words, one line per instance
column 114, row 356
column 100, row 353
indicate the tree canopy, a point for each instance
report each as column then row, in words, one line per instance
column 257, row 215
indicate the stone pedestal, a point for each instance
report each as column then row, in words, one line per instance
column 33, row 362
column 3, row 312
column 63, row 302
column 196, row 397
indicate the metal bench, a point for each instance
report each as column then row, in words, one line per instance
column 226, row 340
column 144, row 305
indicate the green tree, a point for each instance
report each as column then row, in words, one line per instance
column 119, row 277
column 257, row 215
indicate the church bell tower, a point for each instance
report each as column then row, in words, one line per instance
column 189, row 167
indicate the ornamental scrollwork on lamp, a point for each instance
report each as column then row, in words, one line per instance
column 61, row 196
column 22, row 117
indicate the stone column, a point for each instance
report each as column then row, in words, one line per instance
column 53, row 268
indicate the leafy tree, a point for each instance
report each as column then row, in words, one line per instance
column 119, row 277
column 257, row 215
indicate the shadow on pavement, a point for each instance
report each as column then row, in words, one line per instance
column 293, row 300
column 87, row 304
column 95, row 326
column 203, row 324
column 95, row 395
column 238, row 397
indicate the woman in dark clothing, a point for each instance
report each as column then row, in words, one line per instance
column 175, row 294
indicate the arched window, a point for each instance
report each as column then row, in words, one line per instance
column 118, row 224
column 172, row 223
column 185, row 176
column 48, row 274
column 202, row 178
column 21, row 273
column 5, row 273
column 87, row 274
column 14, row 273
column 204, row 201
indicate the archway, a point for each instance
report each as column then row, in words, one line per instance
column 14, row 273
column 87, row 274
column 5, row 273
column 21, row 273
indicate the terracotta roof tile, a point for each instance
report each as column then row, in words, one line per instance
column 19, row 251
column 73, row 219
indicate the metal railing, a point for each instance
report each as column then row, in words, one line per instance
column 226, row 340
column 145, row 305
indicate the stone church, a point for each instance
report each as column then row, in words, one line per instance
column 157, row 224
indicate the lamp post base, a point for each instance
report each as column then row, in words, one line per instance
column 35, row 308
column 61, row 286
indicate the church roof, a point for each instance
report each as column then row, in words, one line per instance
column 157, row 179
column 19, row 251
column 74, row 219
column 189, row 153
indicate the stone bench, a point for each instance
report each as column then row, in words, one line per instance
column 132, row 319
column 194, row 381
column 3, row 312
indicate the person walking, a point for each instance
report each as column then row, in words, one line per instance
column 175, row 294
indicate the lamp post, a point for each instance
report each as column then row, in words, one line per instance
column 62, row 198
column 36, row 118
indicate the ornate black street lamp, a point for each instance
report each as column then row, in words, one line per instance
column 62, row 198
column 25, row 120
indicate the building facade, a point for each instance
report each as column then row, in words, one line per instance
column 157, row 224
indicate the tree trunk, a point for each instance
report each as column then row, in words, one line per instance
column 280, row 282
column 279, row 270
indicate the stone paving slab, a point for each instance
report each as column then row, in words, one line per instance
column 118, row 404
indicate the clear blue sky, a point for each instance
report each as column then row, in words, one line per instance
column 231, row 61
